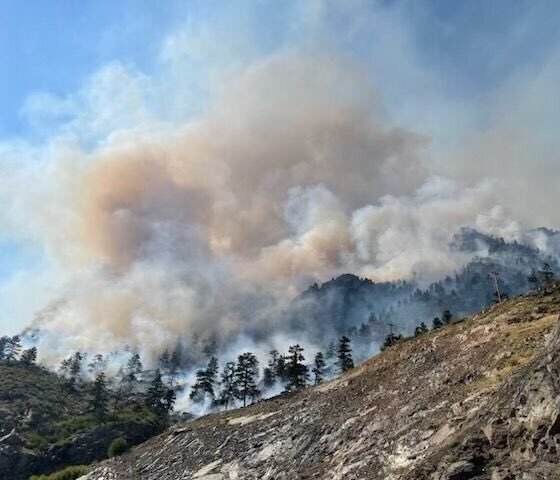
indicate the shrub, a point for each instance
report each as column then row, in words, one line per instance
column 68, row 473
column 37, row 441
column 118, row 446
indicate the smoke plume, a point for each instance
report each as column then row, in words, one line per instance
column 207, row 227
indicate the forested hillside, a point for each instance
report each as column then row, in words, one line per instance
column 48, row 421
column 367, row 311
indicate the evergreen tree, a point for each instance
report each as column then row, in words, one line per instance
column 282, row 369
column 175, row 362
column 436, row 323
column 210, row 347
column 205, row 381
column 352, row 332
column 76, row 366
column 228, row 392
column 12, row 348
column 390, row 340
column 420, row 329
column 29, row 356
column 296, row 371
column 269, row 378
column 64, row 368
column 319, row 368
column 169, row 399
column 133, row 368
column 446, row 317
column 547, row 273
column 246, row 373
column 274, row 371
column 129, row 379
column 533, row 280
column 364, row 331
column 345, row 361
column 331, row 349
column 3, row 345
column 164, row 362
column 100, row 398
column 97, row 365
column 155, row 397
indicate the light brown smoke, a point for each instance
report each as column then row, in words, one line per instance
column 289, row 123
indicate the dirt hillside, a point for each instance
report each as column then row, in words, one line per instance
column 476, row 399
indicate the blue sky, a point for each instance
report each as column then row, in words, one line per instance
column 420, row 53
column 56, row 45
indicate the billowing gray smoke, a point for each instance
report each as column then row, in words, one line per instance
column 293, row 175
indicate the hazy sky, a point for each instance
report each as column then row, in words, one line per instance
column 76, row 74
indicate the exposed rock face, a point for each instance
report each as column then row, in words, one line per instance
column 478, row 399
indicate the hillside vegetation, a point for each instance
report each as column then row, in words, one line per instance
column 47, row 423
column 479, row 398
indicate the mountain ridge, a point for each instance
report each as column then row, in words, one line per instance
column 348, row 304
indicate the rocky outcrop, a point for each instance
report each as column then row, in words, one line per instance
column 478, row 399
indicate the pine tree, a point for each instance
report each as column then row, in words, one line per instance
column 390, row 340
column 274, row 371
column 175, row 363
column 296, row 371
column 269, row 378
column 100, row 397
column 169, row 399
column 210, row 347
column 533, row 280
column 97, row 365
column 228, row 392
column 246, row 373
column 364, row 331
column 331, row 349
column 345, row 361
column 164, row 362
column 76, row 366
column 547, row 273
column 64, row 368
column 29, row 356
column 12, row 348
column 436, row 323
column 130, row 376
column 319, row 368
column 212, row 368
column 133, row 369
column 446, row 317
column 156, row 394
column 205, row 381
column 3, row 345
column 282, row 369
column 420, row 329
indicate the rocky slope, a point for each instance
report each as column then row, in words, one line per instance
column 477, row 399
